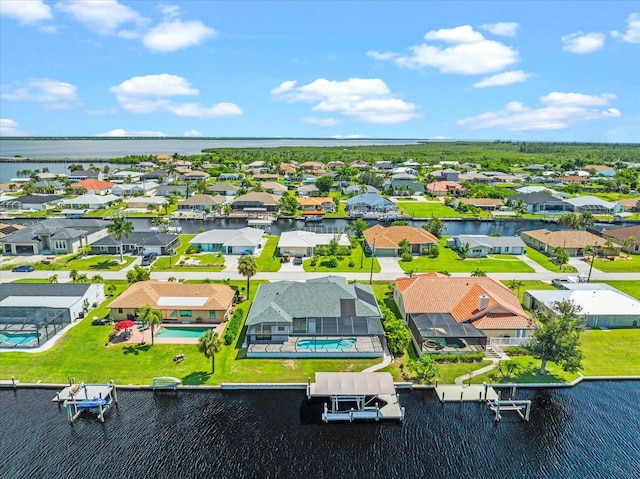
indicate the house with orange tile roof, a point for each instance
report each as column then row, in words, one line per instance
column 97, row 187
column 460, row 314
column 387, row 240
column 179, row 302
column 443, row 188
column 316, row 203
column 573, row 241
column 286, row 168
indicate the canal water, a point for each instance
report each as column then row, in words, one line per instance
column 587, row 432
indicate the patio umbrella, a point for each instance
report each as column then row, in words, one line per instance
column 126, row 324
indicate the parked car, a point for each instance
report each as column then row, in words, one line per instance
column 297, row 259
column 246, row 251
column 23, row 268
column 149, row 258
column 100, row 321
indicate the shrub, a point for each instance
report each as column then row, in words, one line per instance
column 517, row 351
column 233, row 326
column 193, row 250
column 471, row 357
column 434, row 251
column 351, row 263
column 406, row 257
column 333, row 262
column 446, row 358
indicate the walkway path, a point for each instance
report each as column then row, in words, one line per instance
column 536, row 267
column 465, row 377
column 386, row 360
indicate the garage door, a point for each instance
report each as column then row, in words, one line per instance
column 24, row 249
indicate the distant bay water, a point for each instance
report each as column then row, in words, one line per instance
column 76, row 149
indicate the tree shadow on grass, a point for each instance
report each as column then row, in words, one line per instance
column 136, row 349
column 104, row 265
column 196, row 378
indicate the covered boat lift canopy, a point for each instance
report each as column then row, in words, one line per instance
column 353, row 384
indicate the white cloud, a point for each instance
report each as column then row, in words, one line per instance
column 562, row 111
column 170, row 11
column 9, row 127
column 102, row 16
column 505, row 29
column 579, row 42
column 146, row 94
column 26, row 12
column 119, row 132
column 322, row 121
column 54, row 94
column 632, row 35
column 367, row 100
column 502, row 79
column 176, row 35
column 349, row 137
column 284, row 86
column 192, row 134
column 162, row 85
column 470, row 54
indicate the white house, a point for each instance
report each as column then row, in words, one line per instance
column 482, row 245
column 305, row 242
column 240, row 241
column 91, row 201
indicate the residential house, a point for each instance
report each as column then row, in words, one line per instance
column 334, row 165
column 80, row 175
column 620, row 235
column 287, row 168
column 316, row 203
column 6, row 229
column 53, row 236
column 630, row 204
column 172, row 190
column 304, row 243
column 307, row 190
column 266, row 177
column 386, row 241
column 311, row 166
column 144, row 188
column 594, row 205
column 274, row 188
column 369, row 203
column 486, row 204
column 298, row 319
column 237, row 241
column 254, row 201
column 400, row 186
column 569, row 179
column 228, row 177
column 179, row 302
column 600, row 305
column 126, row 176
column 483, row 245
column 225, row 189
column 542, row 189
column 196, row 176
column 145, row 202
column 474, row 177
column 32, row 202
column 159, row 176
column 573, row 241
column 383, row 165
column 137, row 243
column 359, row 164
column 49, row 187
column 541, row 203
column 95, row 186
column 460, row 314
column 444, row 188
column 448, row 174
column 202, row 203
column 91, row 201
column 360, row 189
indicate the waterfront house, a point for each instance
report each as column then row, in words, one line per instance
column 256, row 202
column 383, row 165
column 144, row 188
column 444, row 188
column 32, row 202
column 97, row 187
column 160, row 176
column 359, row 189
column 601, row 305
column 483, row 245
column 307, row 190
column 594, row 205
column 273, row 187
column 630, row 204
column 202, row 203
column 49, row 187
column 369, row 203
column 91, row 202
column 53, row 236
column 225, row 189
column 316, row 203
column 320, row 317
column 304, row 243
column 359, row 164
column 573, row 241
column 237, row 241
column 460, row 314
column 125, row 176
column 80, row 175
column 541, row 203
column 137, row 243
column 179, row 302
column 195, row 176
column 175, row 190
column 386, row 241
column 542, row 189
column 448, row 174
column 485, row 204
column 145, row 202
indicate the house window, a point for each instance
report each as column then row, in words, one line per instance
column 60, row 244
column 120, row 310
column 212, row 315
column 174, row 314
column 263, row 337
column 281, row 328
column 506, row 249
column 185, row 313
column 104, row 248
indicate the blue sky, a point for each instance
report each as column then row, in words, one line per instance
column 548, row 71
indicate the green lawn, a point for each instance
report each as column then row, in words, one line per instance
column 268, row 261
column 87, row 263
column 448, row 260
column 611, row 353
column 415, row 209
column 544, row 261
column 528, row 373
column 632, row 288
column 529, row 284
column 622, row 264
column 343, row 263
column 165, row 263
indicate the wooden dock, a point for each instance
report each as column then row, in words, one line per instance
column 96, row 398
column 466, row 393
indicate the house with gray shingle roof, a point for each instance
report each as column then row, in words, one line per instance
column 137, row 242
column 317, row 317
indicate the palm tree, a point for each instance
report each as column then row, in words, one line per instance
column 73, row 275
column 247, row 267
column 516, row 284
column 464, row 250
column 609, row 246
column 628, row 243
column 120, row 227
column 150, row 316
column 209, row 344
column 53, row 279
column 96, row 278
column 478, row 273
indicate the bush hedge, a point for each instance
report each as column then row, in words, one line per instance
column 459, row 358
column 233, row 326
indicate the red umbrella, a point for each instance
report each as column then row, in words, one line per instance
column 126, row 324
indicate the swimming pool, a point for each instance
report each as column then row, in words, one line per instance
column 181, row 332
column 454, row 343
column 326, row 344
column 17, row 339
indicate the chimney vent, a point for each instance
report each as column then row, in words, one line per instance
column 483, row 302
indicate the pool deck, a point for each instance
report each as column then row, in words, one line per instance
column 139, row 337
column 365, row 346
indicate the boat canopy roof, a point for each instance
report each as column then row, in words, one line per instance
column 354, row 384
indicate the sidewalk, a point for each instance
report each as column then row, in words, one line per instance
column 465, row 377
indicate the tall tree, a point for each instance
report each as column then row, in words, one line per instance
column 561, row 256
column 435, row 226
column 425, row 367
column 629, row 241
column 53, row 279
column 120, row 227
column 324, row 184
column 209, row 344
column 150, row 316
column 357, row 227
column 288, row 204
column 557, row 338
column 247, row 267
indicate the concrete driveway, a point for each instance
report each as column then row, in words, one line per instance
column 390, row 266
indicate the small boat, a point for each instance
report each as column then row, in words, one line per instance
column 165, row 382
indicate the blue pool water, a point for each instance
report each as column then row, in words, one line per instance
column 324, row 344
column 17, row 339
column 178, row 332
